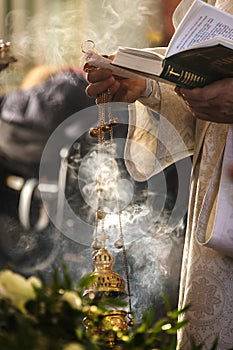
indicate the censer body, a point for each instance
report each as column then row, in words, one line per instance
column 106, row 282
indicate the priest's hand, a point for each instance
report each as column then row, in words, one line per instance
column 212, row 103
column 121, row 89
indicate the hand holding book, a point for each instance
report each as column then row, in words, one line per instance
column 213, row 103
column 121, row 89
column 200, row 52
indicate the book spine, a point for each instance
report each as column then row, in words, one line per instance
column 183, row 77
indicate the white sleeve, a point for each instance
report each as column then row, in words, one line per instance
column 161, row 132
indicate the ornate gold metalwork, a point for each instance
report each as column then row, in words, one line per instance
column 112, row 320
column 111, row 284
column 106, row 282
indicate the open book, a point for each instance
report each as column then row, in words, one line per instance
column 200, row 51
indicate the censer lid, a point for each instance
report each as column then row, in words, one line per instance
column 107, row 281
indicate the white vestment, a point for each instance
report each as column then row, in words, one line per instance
column 207, row 273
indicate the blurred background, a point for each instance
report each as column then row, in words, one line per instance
column 52, row 32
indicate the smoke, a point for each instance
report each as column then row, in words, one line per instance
column 153, row 250
column 53, row 34
column 121, row 23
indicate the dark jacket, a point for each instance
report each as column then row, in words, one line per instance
column 28, row 118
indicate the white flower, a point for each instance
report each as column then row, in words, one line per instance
column 73, row 299
column 17, row 288
column 73, row 346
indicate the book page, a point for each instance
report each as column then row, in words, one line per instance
column 143, row 53
column 96, row 60
column 202, row 22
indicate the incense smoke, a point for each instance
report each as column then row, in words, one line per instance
column 153, row 249
column 53, row 35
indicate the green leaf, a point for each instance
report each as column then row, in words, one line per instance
column 68, row 284
column 86, row 281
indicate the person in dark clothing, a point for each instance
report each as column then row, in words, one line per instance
column 28, row 116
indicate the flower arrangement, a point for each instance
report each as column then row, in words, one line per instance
column 40, row 315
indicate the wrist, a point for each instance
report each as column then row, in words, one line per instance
column 148, row 89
